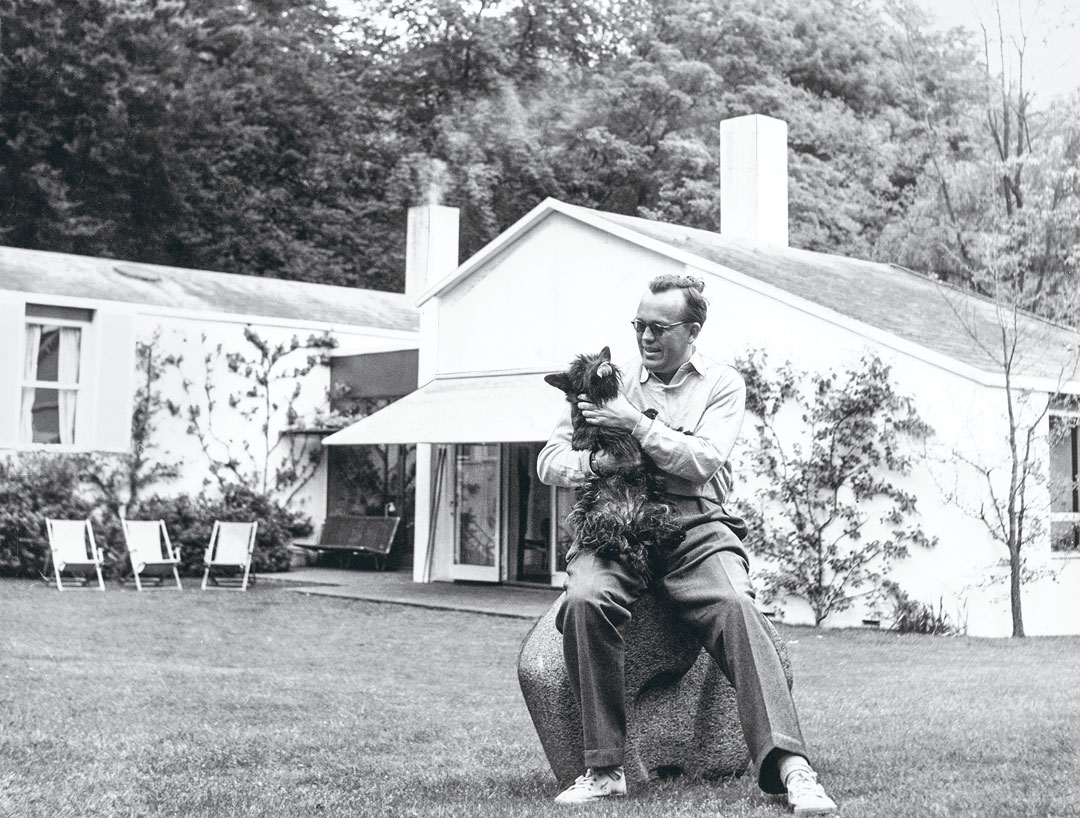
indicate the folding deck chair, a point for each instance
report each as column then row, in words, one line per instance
column 72, row 547
column 228, row 556
column 151, row 552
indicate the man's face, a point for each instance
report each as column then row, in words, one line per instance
column 664, row 354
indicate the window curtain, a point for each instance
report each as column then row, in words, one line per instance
column 26, row 417
column 68, row 375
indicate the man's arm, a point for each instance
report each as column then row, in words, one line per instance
column 560, row 465
column 698, row 456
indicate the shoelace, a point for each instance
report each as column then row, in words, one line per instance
column 589, row 779
column 585, row 780
column 803, row 783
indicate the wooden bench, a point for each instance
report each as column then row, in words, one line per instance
column 370, row 536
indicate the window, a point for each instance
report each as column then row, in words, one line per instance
column 53, row 349
column 1064, row 488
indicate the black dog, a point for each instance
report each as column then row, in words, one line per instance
column 619, row 515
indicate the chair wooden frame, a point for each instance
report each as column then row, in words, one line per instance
column 72, row 546
column 231, row 547
column 151, row 552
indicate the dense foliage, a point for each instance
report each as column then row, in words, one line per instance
column 36, row 486
column 282, row 139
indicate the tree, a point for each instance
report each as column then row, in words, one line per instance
column 1011, row 510
column 998, row 212
column 1001, row 178
column 829, row 519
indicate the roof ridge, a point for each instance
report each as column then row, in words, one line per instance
column 926, row 276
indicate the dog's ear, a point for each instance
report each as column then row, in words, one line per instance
column 560, row 381
column 605, row 354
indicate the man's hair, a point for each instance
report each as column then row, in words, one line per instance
column 697, row 306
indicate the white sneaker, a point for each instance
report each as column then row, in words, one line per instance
column 595, row 784
column 806, row 796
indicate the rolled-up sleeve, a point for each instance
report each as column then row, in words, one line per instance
column 558, row 464
column 697, row 456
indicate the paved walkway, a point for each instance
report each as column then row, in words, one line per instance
column 397, row 587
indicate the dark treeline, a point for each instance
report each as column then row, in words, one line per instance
column 277, row 138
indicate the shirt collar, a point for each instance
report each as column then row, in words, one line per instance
column 696, row 362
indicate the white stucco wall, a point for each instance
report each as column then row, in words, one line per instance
column 110, row 377
column 567, row 289
column 564, row 288
column 227, row 432
column 233, row 428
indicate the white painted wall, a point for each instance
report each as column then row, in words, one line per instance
column 564, row 288
column 230, row 432
column 110, row 379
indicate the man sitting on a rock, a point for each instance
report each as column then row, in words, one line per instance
column 700, row 404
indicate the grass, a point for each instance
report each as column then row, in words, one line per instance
column 275, row 703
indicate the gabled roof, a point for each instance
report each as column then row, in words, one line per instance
column 868, row 296
column 176, row 288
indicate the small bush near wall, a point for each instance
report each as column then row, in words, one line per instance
column 190, row 520
column 909, row 615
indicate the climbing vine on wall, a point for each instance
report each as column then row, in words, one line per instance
column 267, row 458
column 830, row 516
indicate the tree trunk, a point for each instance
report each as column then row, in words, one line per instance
column 1014, row 590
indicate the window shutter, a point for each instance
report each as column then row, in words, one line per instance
column 113, row 381
column 11, row 325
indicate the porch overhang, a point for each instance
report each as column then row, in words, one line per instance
column 478, row 409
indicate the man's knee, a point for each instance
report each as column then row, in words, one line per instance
column 589, row 600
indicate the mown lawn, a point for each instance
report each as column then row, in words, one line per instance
column 272, row 703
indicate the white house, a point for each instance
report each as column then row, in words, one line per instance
column 564, row 280
column 71, row 328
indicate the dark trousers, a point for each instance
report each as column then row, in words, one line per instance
column 707, row 580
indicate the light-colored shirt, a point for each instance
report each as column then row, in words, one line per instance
column 700, row 413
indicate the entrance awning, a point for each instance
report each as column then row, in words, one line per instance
column 483, row 409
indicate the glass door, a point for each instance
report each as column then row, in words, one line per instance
column 537, row 534
column 477, row 512
column 562, row 534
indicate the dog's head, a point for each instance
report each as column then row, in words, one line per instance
column 594, row 376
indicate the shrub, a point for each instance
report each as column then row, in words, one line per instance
column 912, row 616
column 38, row 485
column 190, row 520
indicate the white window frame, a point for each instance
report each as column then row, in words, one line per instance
column 466, row 571
column 79, row 388
column 1063, row 516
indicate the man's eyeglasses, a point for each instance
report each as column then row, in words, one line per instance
column 657, row 330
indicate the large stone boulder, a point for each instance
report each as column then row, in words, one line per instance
column 680, row 709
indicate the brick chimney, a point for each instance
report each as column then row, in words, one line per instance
column 754, row 179
column 431, row 248
column 431, row 254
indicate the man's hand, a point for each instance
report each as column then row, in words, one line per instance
column 617, row 413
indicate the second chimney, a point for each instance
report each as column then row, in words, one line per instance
column 754, row 179
column 431, row 249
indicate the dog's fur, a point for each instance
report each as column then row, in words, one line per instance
column 619, row 515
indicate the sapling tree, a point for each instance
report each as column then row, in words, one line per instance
column 274, row 375
column 829, row 518
column 122, row 479
column 1019, row 346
